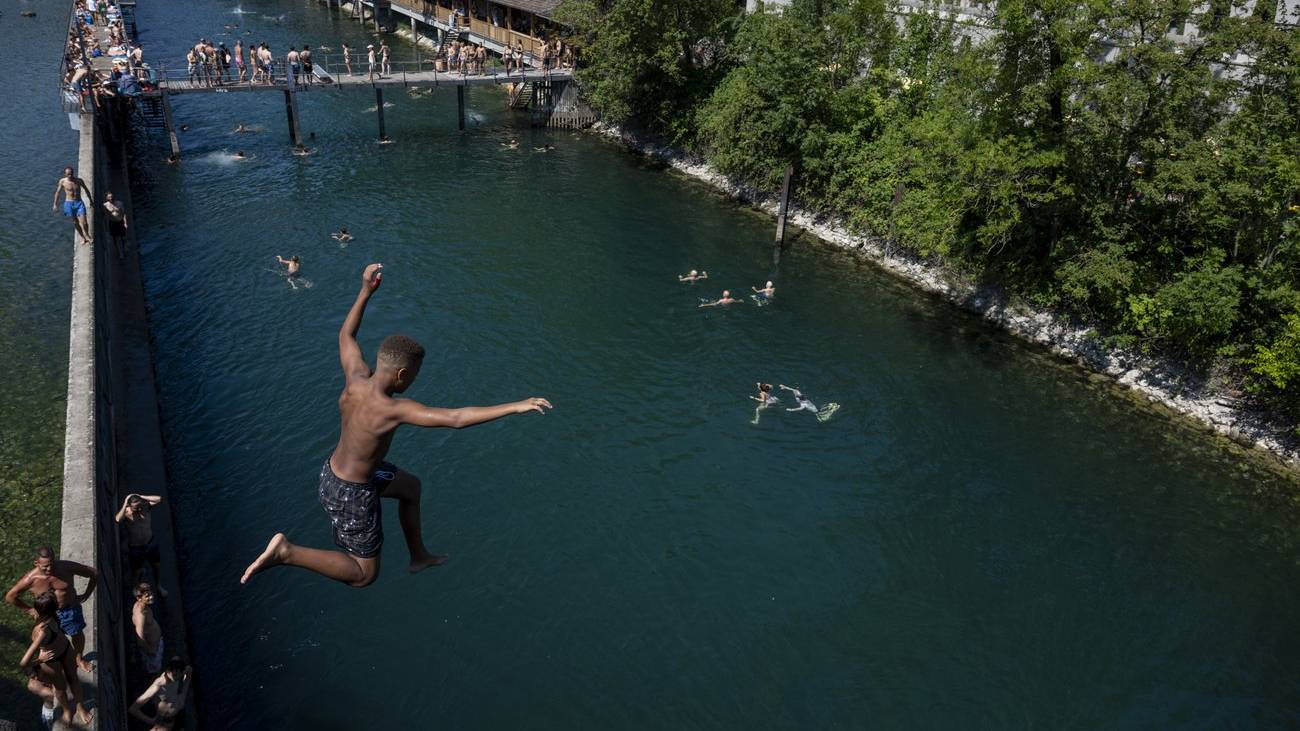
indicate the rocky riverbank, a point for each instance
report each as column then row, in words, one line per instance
column 1217, row 407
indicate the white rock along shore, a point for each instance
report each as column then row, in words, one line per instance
column 1158, row 380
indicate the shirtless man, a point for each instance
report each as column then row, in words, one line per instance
column 342, row 236
column 137, row 515
column 347, row 58
column 355, row 475
column 148, row 634
column 73, row 207
column 294, row 264
column 116, row 223
column 726, row 299
column 805, row 404
column 50, row 574
column 170, row 690
column 370, row 59
column 765, row 294
column 694, row 276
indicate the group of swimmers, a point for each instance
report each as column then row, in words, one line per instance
column 765, row 397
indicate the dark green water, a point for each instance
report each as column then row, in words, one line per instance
column 35, row 277
column 976, row 540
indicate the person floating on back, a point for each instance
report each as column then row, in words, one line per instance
column 694, row 276
column 822, row 414
column 355, row 476
column 726, row 299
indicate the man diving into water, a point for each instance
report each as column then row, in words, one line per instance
column 355, row 475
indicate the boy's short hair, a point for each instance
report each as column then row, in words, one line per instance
column 400, row 351
column 143, row 588
column 46, row 604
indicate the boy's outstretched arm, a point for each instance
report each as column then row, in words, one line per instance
column 411, row 412
column 354, row 364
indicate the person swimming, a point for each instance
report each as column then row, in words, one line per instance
column 805, row 404
column 765, row 398
column 765, row 294
column 241, row 128
column 293, row 263
column 544, row 148
column 239, row 155
column 342, row 236
column 726, row 299
column 694, row 276
column 511, row 145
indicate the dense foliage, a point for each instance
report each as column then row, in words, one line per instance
column 1069, row 151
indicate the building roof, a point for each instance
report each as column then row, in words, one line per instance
column 544, row 8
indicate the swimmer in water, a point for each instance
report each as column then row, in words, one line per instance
column 241, row 129
column 239, row 155
column 765, row 398
column 764, row 294
column 173, row 158
column 301, row 151
column 293, row 263
column 342, row 236
column 511, row 145
column 726, row 299
column 822, row 414
column 694, row 276
column 544, row 148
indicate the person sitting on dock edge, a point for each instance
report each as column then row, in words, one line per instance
column 355, row 475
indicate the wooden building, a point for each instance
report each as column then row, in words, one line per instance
column 500, row 23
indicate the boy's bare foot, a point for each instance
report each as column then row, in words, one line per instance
column 83, row 717
column 85, row 664
column 276, row 549
column 427, row 561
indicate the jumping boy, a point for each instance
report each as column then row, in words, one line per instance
column 355, row 475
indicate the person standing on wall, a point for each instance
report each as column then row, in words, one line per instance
column 73, row 207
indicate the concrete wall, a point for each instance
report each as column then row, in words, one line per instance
column 112, row 440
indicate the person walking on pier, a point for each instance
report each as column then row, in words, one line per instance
column 347, row 58
column 355, row 475
column 238, row 55
column 49, row 657
column 49, row 574
column 384, row 51
column 370, row 59
column 73, row 207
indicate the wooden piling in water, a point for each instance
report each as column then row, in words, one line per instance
column 460, row 105
column 171, row 128
column 291, row 111
column 379, row 110
column 785, row 202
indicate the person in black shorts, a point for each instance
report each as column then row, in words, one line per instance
column 355, row 476
column 137, row 516
column 116, row 223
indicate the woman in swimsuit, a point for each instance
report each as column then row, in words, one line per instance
column 50, row 656
column 765, row 398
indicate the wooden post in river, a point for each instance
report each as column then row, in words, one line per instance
column 379, row 109
column 785, row 202
column 291, row 110
column 171, row 127
column 460, row 105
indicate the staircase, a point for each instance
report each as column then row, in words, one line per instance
column 447, row 38
column 150, row 110
column 522, row 96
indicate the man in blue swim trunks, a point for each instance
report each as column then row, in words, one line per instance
column 355, row 476
column 73, row 207
column 50, row 574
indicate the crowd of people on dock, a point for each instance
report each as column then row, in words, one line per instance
column 87, row 83
column 56, row 654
